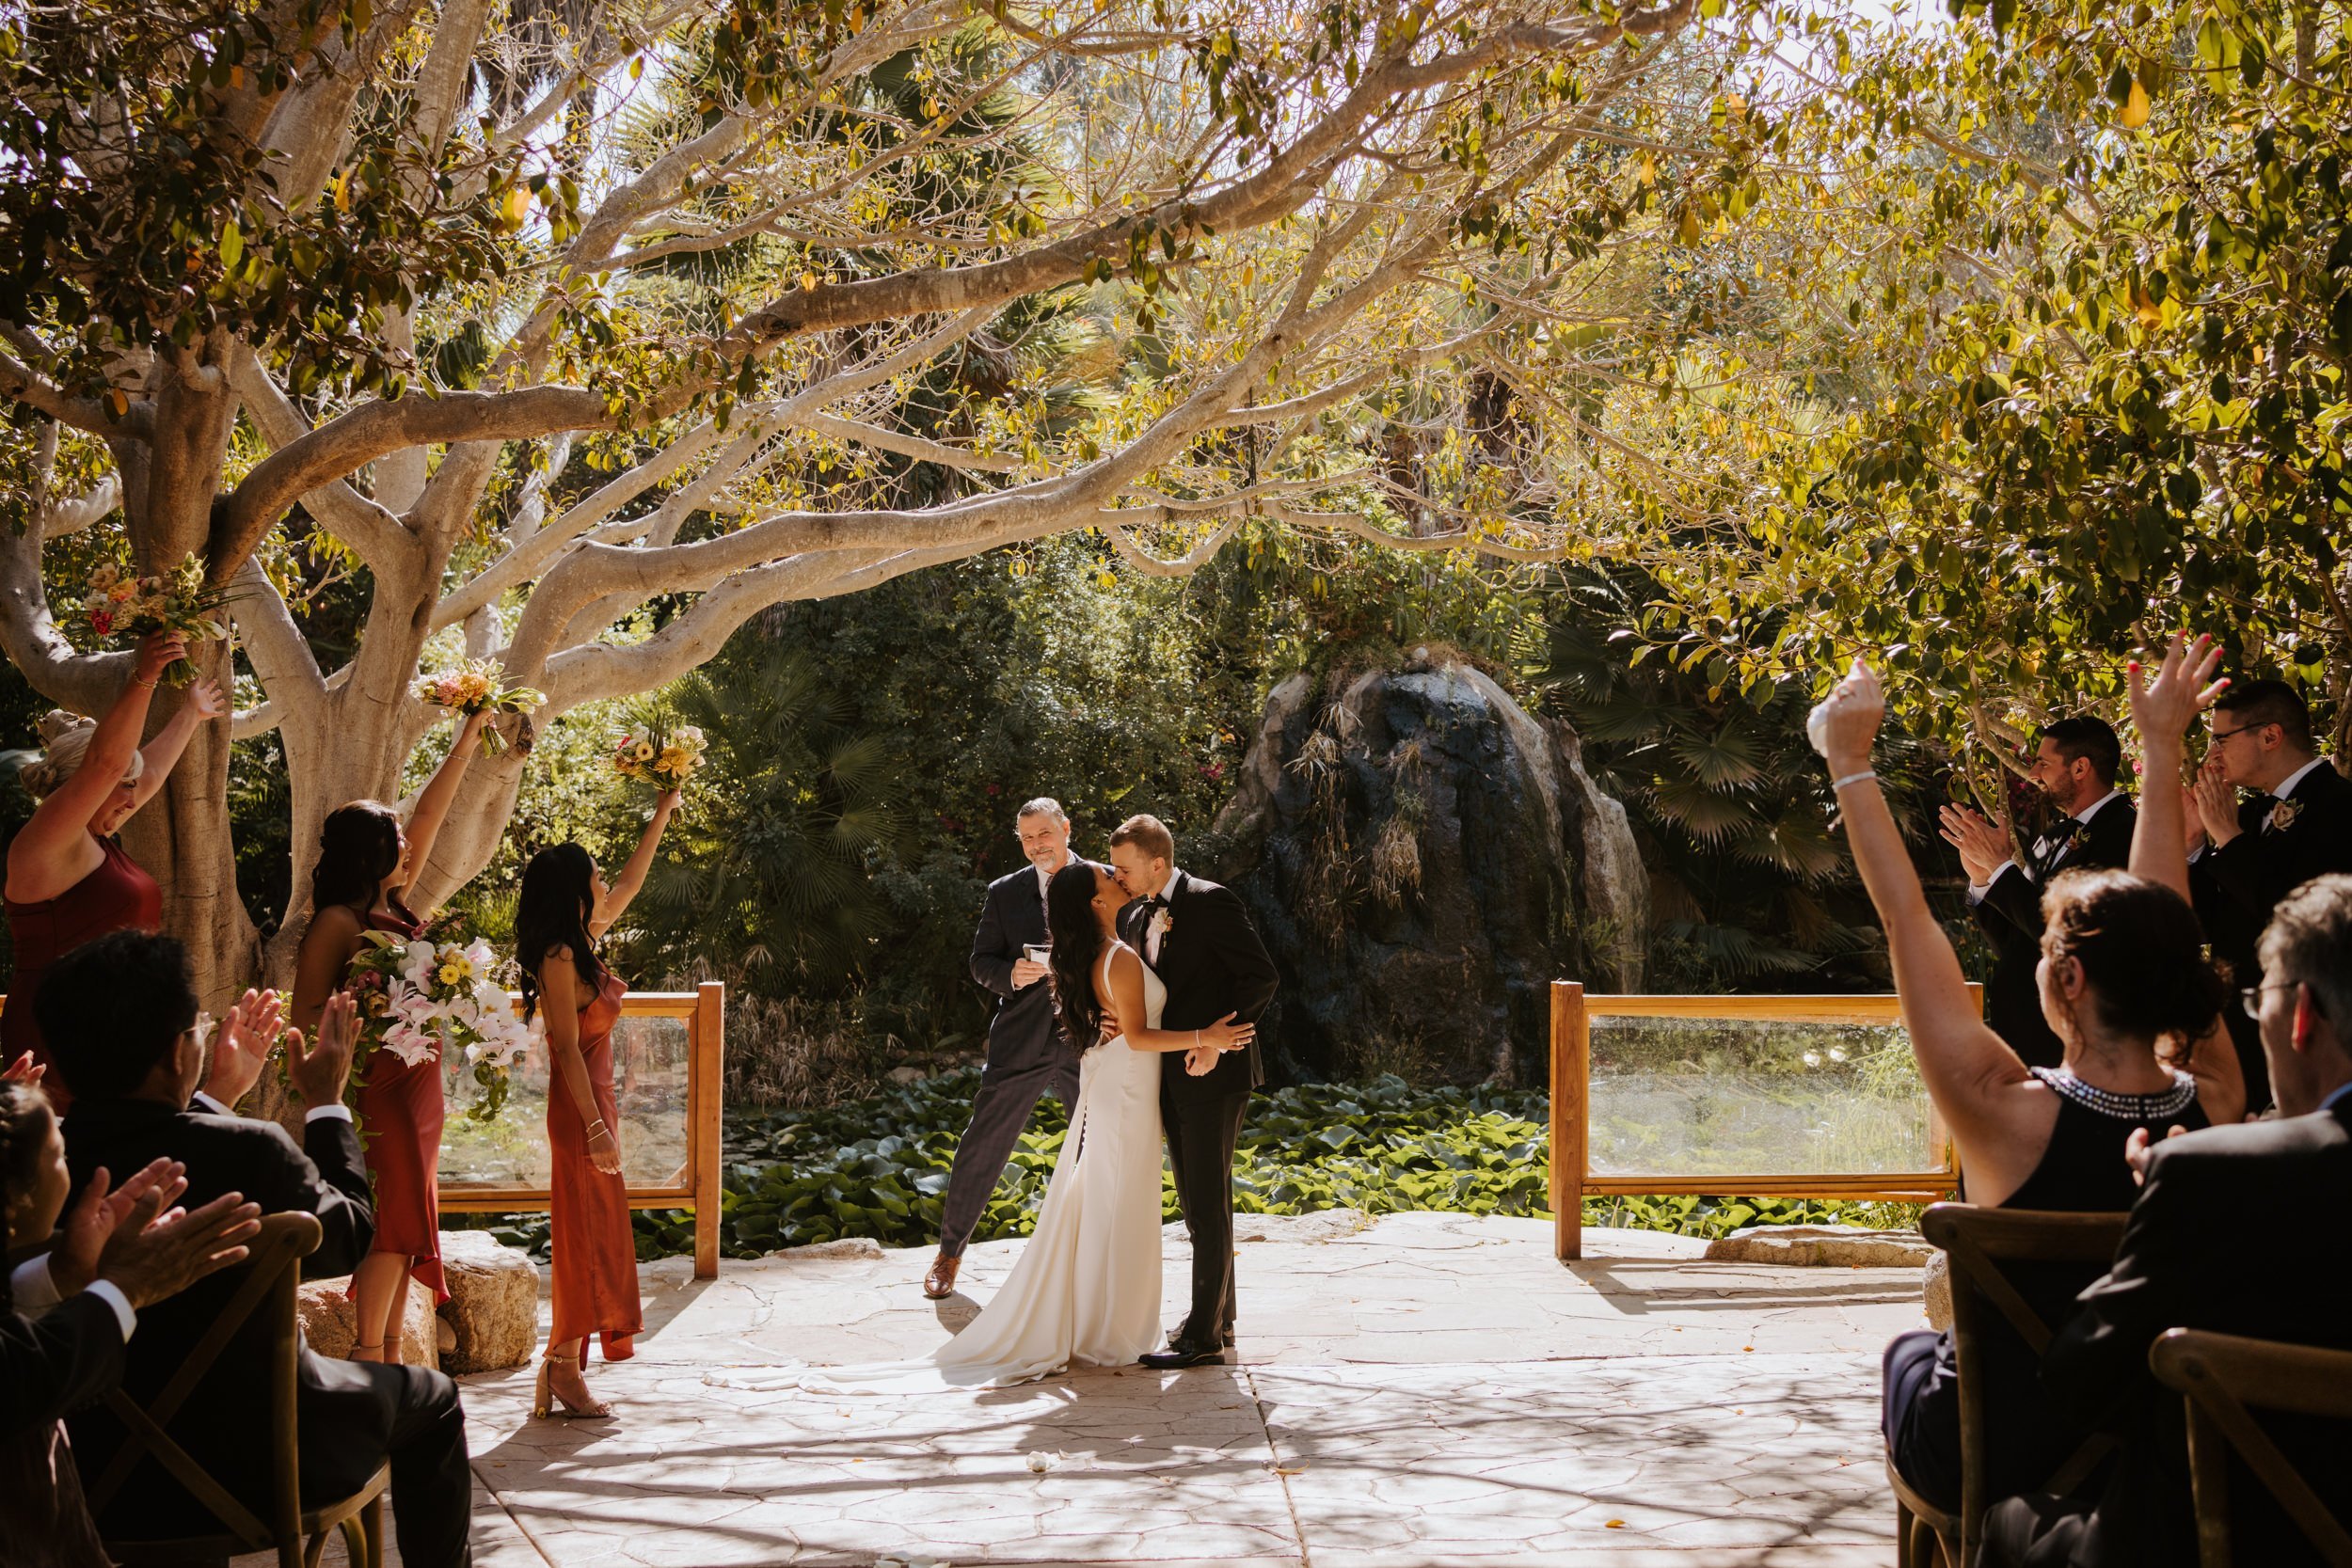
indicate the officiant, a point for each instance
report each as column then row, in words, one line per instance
column 1025, row 1056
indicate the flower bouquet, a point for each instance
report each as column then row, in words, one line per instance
column 115, row 605
column 662, row 757
column 424, row 999
column 473, row 687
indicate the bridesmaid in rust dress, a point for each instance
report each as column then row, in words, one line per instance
column 367, row 871
column 68, row 881
column 564, row 907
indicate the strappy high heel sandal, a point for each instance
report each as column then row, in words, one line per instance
column 545, row 1401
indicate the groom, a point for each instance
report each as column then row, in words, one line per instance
column 1199, row 941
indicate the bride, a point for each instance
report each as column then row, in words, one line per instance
column 1086, row 1290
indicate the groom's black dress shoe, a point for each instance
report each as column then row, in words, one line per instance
column 1180, row 1355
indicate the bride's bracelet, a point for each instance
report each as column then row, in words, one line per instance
column 597, row 1126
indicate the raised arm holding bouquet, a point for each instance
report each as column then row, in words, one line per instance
column 472, row 687
column 69, row 880
column 362, row 888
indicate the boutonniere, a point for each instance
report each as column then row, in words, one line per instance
column 1162, row 922
column 2282, row 815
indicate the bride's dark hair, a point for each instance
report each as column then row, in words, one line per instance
column 1077, row 938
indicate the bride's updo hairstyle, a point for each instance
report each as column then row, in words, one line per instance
column 65, row 739
column 1077, row 948
column 2141, row 950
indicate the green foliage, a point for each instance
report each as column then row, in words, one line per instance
column 2088, row 371
column 878, row 1169
column 1750, row 886
column 869, row 754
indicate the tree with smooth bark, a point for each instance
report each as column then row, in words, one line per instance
column 582, row 334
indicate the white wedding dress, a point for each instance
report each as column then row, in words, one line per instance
column 1085, row 1289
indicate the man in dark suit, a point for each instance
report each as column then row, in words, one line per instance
column 2221, row 1239
column 2295, row 824
column 1199, row 941
column 1027, row 1054
column 2075, row 767
column 119, row 1016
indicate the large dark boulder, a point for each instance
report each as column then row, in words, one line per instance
column 1423, row 857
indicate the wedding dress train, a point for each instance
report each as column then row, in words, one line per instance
column 1085, row 1289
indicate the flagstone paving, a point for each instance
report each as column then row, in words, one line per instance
column 1423, row 1389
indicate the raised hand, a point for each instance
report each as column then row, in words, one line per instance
column 205, row 699
column 1982, row 846
column 99, row 1211
column 153, row 1255
column 241, row 1045
column 24, row 1070
column 320, row 1073
column 158, row 652
column 2217, row 800
column 2165, row 705
column 1844, row 724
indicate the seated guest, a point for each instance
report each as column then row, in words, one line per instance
column 114, row 1257
column 2076, row 768
column 2295, row 824
column 120, row 1014
column 2121, row 973
column 2219, row 1236
column 2221, row 1239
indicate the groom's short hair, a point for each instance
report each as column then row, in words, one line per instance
column 1148, row 834
column 1045, row 805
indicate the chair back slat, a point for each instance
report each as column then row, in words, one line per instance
column 1979, row 1241
column 272, row 1270
column 2220, row 1375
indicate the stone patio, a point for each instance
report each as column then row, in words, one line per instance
column 1423, row 1389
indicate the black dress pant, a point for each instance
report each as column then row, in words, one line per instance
column 356, row 1414
column 1008, row 1096
column 1203, row 1130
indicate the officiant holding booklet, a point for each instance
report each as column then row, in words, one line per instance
column 1026, row 1056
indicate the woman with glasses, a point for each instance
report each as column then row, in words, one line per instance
column 2125, row 988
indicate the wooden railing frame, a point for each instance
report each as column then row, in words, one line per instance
column 695, row 1185
column 1572, row 1012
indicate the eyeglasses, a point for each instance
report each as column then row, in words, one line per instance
column 2251, row 997
column 2217, row 737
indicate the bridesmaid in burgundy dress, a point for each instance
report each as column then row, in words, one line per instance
column 69, row 882
column 564, row 909
column 367, row 867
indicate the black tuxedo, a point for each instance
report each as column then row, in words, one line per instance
column 2221, row 1239
column 1211, row 963
column 2238, row 884
column 2010, row 914
column 1027, row 1054
column 351, row 1416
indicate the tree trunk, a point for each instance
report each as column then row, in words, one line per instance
column 183, row 839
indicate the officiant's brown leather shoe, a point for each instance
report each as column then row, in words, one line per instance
column 941, row 1282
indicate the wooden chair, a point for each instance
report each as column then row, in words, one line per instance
column 1978, row 1241
column 2221, row 1376
column 271, row 1273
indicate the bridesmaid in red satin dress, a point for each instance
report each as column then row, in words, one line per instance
column 69, row 882
column 564, row 909
column 367, row 869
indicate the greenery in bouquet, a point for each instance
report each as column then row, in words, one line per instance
column 119, row 608
column 661, row 754
column 437, row 998
column 472, row 686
